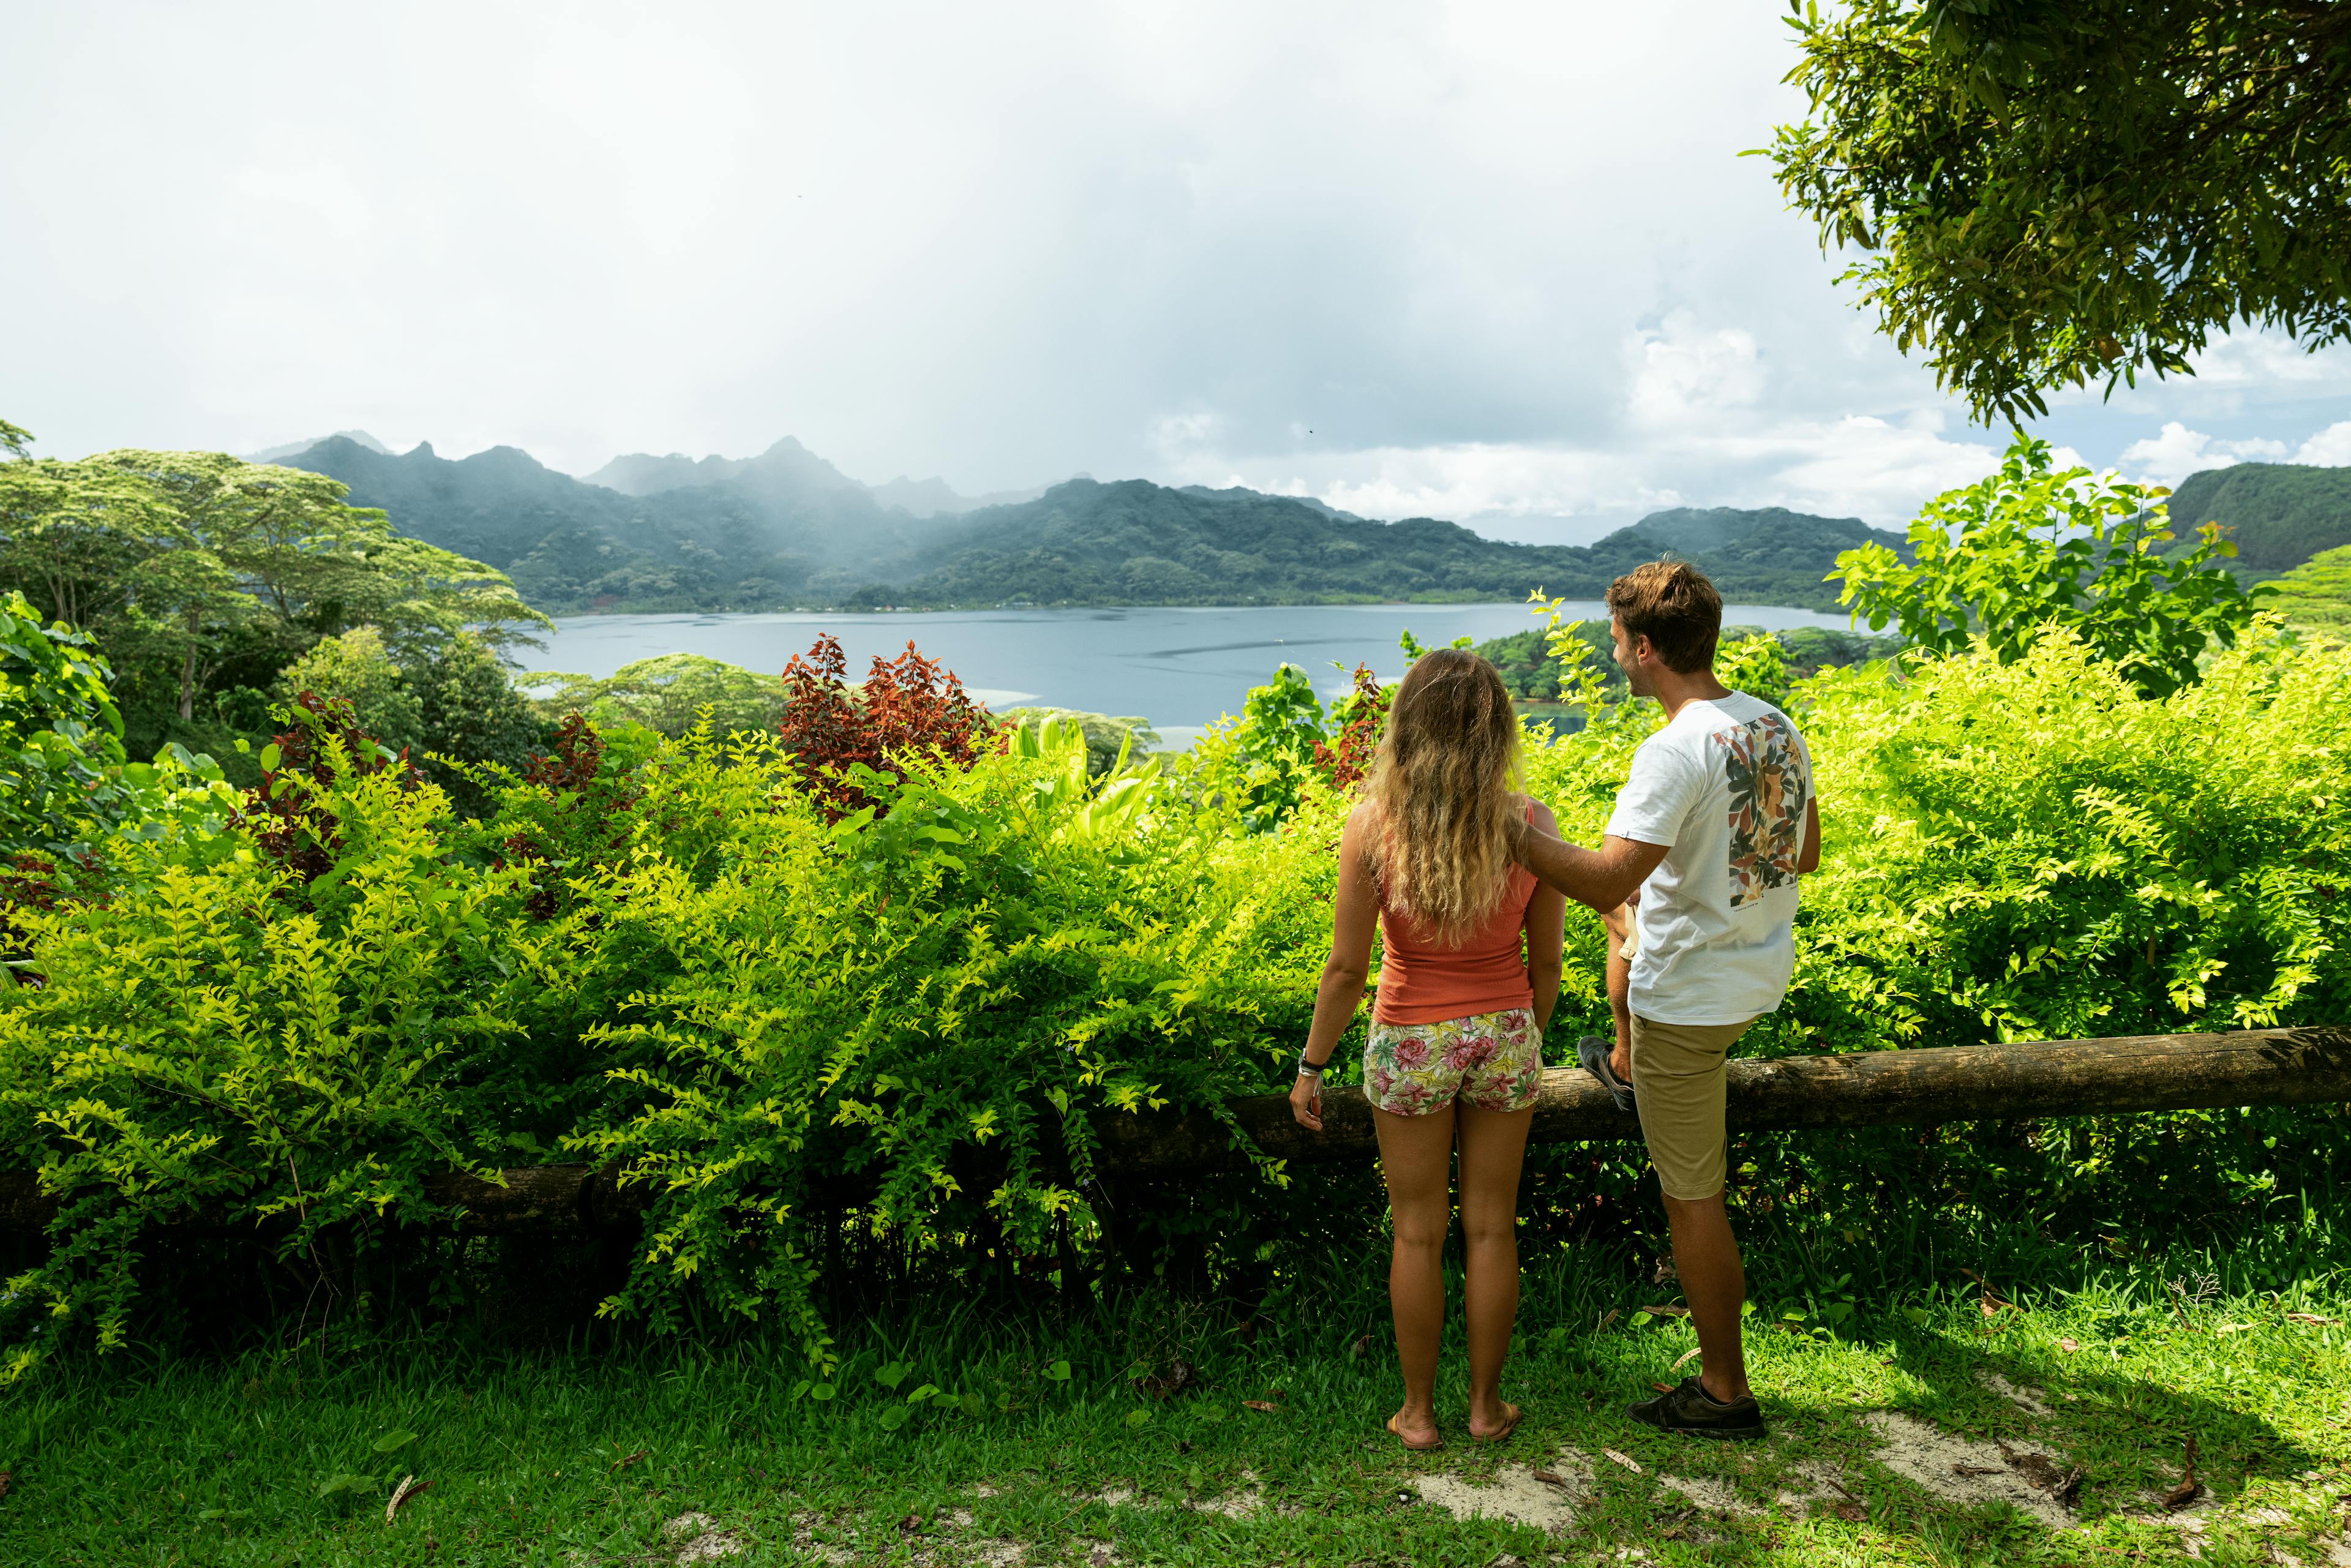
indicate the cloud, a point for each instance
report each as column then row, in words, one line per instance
column 2330, row 447
column 2170, row 457
column 1500, row 262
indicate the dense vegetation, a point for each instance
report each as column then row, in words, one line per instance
column 849, row 994
column 201, row 578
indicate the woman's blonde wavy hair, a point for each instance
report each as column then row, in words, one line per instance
column 1442, row 791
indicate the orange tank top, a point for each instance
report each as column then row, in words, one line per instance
column 1423, row 981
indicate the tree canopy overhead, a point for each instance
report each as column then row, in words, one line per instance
column 2051, row 193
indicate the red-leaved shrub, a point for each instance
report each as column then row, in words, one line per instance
column 1350, row 760
column 289, row 824
column 908, row 705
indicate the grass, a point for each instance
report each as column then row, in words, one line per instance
column 571, row 1460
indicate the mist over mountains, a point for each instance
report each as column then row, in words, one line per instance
column 787, row 529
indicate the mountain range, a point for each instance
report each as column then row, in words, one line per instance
column 786, row 529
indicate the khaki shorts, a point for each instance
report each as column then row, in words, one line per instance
column 1677, row 1087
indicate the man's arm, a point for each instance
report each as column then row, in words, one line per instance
column 1808, row 859
column 1602, row 878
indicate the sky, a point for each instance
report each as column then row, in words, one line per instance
column 1499, row 263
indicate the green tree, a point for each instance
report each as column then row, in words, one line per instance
column 668, row 694
column 2051, row 195
column 61, row 735
column 2031, row 546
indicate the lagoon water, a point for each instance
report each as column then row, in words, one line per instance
column 1181, row 668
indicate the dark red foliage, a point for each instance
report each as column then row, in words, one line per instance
column 572, row 767
column 574, row 820
column 1347, row 762
column 287, row 820
column 35, row 884
column 910, row 704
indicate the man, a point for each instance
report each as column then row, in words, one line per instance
column 1710, row 831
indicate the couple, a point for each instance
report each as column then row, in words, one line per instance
column 1468, row 885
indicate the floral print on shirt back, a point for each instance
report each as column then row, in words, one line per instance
column 1771, row 783
column 1492, row 1061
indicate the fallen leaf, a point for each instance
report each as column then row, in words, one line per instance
column 1550, row 1478
column 1685, row 1358
column 2069, row 1345
column 1666, row 1312
column 1613, row 1314
column 1975, row 1469
column 1363, row 1347
column 6, row 1480
column 1101, row 1558
column 1265, row 1404
column 2310, row 1318
column 623, row 1464
column 911, row 1524
column 1662, row 1387
column 2186, row 1492
column 408, row 1488
column 1851, row 1512
column 1628, row 1460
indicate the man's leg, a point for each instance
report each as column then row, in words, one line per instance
column 1706, row 1254
column 1416, row 1159
column 1678, row 1086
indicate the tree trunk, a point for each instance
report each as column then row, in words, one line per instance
column 188, row 674
column 1857, row 1089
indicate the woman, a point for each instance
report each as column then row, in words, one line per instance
column 1469, row 972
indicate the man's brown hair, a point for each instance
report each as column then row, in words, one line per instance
column 1672, row 604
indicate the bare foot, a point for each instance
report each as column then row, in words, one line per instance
column 1417, row 1433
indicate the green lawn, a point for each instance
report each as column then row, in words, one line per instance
column 1887, row 1445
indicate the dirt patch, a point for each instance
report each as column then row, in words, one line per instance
column 1958, row 1470
column 805, row 1542
column 1515, row 1494
column 1712, row 1494
column 1238, row 1504
column 2032, row 1401
column 699, row 1539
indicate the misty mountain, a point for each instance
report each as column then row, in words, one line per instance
column 932, row 497
column 787, row 528
column 296, row 448
column 2279, row 514
column 773, row 533
column 785, row 468
column 790, row 464
column 1135, row 542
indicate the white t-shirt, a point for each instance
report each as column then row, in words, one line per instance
column 1725, row 786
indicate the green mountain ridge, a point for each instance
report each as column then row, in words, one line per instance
column 2279, row 514
column 1135, row 542
column 788, row 529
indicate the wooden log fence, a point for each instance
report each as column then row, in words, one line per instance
column 2037, row 1078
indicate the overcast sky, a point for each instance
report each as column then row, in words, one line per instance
column 1500, row 263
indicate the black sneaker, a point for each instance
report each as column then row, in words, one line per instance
column 1691, row 1411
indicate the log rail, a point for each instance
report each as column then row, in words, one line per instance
column 2035, row 1079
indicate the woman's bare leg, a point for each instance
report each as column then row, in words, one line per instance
column 1493, row 1146
column 1416, row 1158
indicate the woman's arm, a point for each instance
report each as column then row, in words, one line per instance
column 1355, row 914
column 1808, row 859
column 1546, row 930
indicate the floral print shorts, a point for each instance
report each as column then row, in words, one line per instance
column 1493, row 1061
